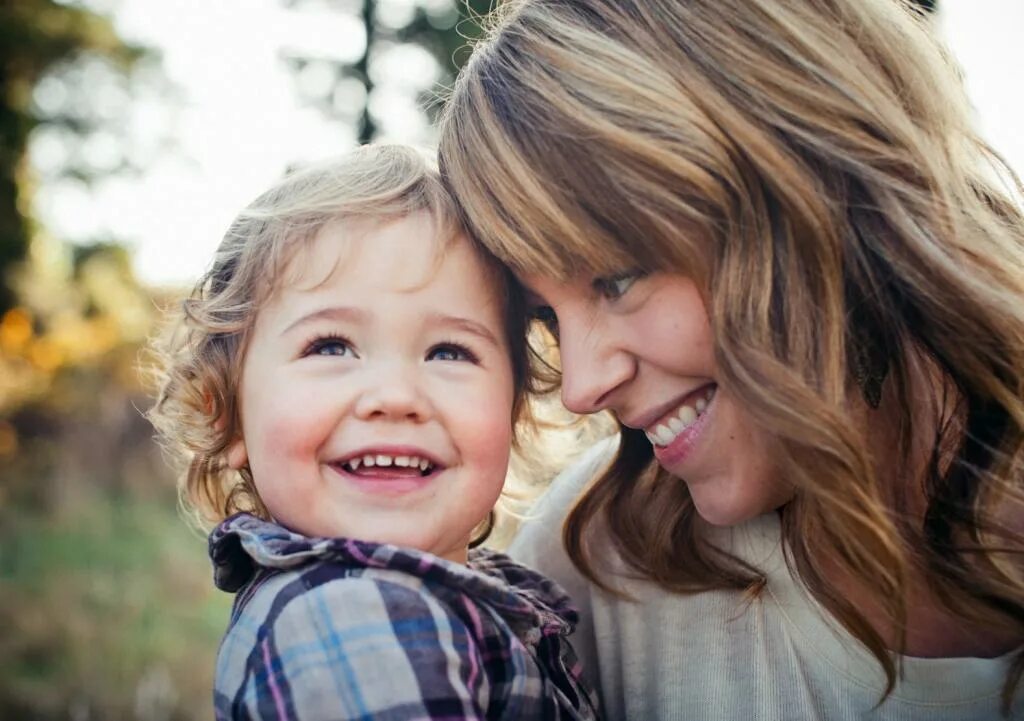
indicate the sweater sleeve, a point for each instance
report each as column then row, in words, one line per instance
column 360, row 648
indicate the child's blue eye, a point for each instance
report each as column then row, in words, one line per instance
column 451, row 352
column 330, row 346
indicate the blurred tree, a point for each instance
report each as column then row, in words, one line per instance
column 443, row 28
column 36, row 36
column 108, row 611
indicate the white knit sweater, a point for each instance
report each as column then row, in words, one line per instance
column 715, row 655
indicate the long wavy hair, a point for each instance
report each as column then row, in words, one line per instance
column 198, row 362
column 811, row 163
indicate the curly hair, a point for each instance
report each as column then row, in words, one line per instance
column 199, row 360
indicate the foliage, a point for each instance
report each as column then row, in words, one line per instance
column 112, row 614
column 445, row 28
column 105, row 593
column 35, row 37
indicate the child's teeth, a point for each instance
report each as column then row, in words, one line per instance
column 664, row 434
column 384, row 461
column 701, row 405
column 687, row 415
column 676, row 425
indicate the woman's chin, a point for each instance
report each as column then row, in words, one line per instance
column 722, row 503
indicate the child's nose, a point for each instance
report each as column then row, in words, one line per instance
column 395, row 394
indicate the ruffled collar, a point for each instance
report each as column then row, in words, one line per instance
column 531, row 603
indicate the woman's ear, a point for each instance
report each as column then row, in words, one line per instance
column 237, row 455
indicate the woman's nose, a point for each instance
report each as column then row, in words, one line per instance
column 594, row 367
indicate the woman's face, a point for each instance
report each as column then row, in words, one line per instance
column 641, row 347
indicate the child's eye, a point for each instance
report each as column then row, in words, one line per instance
column 451, row 352
column 614, row 287
column 330, row 346
column 545, row 314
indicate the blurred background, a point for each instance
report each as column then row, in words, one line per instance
column 131, row 131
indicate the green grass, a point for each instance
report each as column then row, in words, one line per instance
column 113, row 614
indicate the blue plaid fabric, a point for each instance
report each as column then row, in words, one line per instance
column 341, row 629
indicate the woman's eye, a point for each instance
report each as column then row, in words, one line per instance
column 545, row 314
column 330, row 347
column 451, row 352
column 613, row 288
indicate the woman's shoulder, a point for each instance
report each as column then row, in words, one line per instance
column 544, row 519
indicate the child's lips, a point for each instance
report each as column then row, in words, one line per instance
column 392, row 472
column 389, row 457
column 386, row 481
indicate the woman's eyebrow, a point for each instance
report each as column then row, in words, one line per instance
column 343, row 313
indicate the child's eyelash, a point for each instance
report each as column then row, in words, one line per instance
column 454, row 346
column 319, row 342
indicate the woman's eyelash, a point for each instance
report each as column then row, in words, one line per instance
column 545, row 315
column 453, row 348
column 616, row 286
column 320, row 343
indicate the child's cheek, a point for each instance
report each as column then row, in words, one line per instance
column 487, row 428
column 292, row 430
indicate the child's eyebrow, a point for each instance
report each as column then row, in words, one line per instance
column 464, row 324
column 345, row 313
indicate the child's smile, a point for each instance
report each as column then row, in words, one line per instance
column 389, row 470
column 377, row 390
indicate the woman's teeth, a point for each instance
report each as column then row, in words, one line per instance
column 385, row 461
column 666, row 432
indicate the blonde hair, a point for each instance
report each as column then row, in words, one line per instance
column 200, row 361
column 812, row 164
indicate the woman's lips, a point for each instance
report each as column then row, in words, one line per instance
column 685, row 414
column 683, row 436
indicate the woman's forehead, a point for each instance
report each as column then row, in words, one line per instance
column 540, row 289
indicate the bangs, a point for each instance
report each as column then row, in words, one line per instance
column 531, row 189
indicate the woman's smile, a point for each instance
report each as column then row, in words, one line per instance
column 675, row 440
column 664, row 431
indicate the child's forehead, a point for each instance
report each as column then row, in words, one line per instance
column 403, row 253
column 312, row 258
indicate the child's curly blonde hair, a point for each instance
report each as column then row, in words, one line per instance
column 199, row 360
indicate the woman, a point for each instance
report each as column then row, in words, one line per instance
column 770, row 244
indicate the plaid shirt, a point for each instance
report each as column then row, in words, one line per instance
column 342, row 629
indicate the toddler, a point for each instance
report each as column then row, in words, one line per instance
column 346, row 385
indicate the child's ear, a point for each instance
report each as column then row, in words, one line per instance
column 237, row 455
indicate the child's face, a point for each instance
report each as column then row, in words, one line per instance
column 355, row 374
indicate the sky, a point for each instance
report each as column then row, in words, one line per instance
column 238, row 118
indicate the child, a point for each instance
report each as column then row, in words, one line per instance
column 346, row 386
